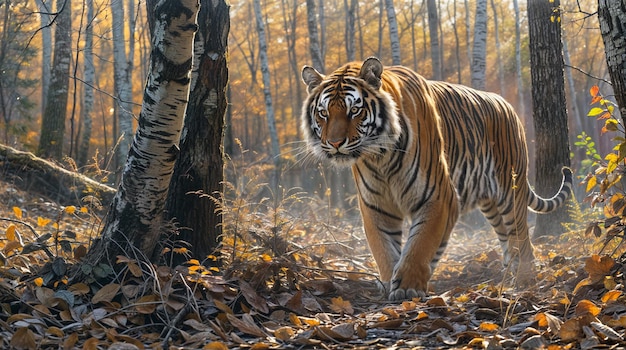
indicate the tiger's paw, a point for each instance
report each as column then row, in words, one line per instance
column 406, row 294
column 408, row 286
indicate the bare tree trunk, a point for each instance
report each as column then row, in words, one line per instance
column 315, row 48
column 46, row 50
column 123, row 91
column 457, row 45
column 479, row 52
column 88, row 83
column 134, row 224
column 349, row 36
column 518, row 62
column 53, row 121
column 433, row 29
column 381, row 10
column 269, row 107
column 290, row 20
column 576, row 116
column 394, row 39
column 549, row 111
column 498, row 49
column 322, row 20
column 612, row 17
column 199, row 171
column 468, row 31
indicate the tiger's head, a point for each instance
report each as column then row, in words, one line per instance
column 348, row 114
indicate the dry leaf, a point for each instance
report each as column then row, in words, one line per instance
column 436, row 301
column 106, row 293
column 606, row 331
column 147, row 304
column 341, row 306
column 216, row 345
column 488, row 327
column 597, row 267
column 246, row 325
column 253, row 298
column 284, row 333
column 23, row 338
column 587, row 307
column 70, row 341
column 222, row 307
column 611, row 295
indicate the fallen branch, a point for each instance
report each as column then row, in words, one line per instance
column 36, row 175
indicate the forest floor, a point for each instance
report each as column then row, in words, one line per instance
column 293, row 281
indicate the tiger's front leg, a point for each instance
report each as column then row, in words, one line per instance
column 383, row 231
column 426, row 242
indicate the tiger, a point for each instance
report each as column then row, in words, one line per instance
column 423, row 151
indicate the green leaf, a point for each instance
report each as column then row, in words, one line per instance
column 595, row 111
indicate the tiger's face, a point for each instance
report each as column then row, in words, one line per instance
column 347, row 115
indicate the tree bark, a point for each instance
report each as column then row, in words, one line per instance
column 89, row 78
column 123, row 90
column 269, row 107
column 612, row 18
column 394, row 39
column 549, row 111
column 518, row 62
column 349, row 36
column 46, row 50
column 496, row 30
column 199, row 171
column 134, row 224
column 433, row 29
column 479, row 52
column 315, row 49
column 53, row 120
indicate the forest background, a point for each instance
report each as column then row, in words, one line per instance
column 105, row 91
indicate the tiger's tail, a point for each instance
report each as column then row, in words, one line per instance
column 546, row 205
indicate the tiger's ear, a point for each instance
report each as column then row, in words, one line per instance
column 371, row 70
column 311, row 77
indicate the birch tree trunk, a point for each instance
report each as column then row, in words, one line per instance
column 269, row 107
column 134, row 223
column 199, row 170
column 317, row 60
column 88, row 77
column 549, row 111
column 46, row 50
column 479, row 52
column 123, row 92
column 433, row 29
column 53, row 119
column 394, row 39
column 612, row 17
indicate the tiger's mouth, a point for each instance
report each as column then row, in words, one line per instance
column 342, row 159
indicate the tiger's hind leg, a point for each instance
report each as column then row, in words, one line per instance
column 509, row 222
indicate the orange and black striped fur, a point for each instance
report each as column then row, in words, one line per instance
column 425, row 151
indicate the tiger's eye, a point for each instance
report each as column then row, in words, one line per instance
column 324, row 113
column 354, row 110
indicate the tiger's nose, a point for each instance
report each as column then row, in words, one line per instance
column 336, row 144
